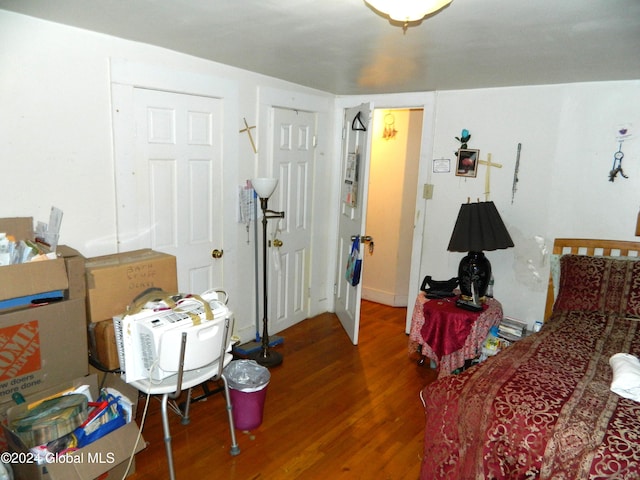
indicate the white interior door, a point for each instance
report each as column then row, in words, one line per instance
column 353, row 210
column 176, row 177
column 293, row 156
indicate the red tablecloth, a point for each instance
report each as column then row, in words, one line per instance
column 450, row 335
column 446, row 327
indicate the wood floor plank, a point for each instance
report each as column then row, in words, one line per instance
column 333, row 410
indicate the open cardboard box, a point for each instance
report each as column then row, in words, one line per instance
column 110, row 454
column 74, row 263
column 31, row 278
column 37, row 279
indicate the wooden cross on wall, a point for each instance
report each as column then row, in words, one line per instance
column 248, row 130
column 487, row 175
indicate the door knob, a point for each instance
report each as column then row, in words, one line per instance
column 363, row 238
column 215, row 253
column 277, row 242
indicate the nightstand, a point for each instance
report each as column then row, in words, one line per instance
column 449, row 335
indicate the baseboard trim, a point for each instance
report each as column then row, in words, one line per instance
column 385, row 298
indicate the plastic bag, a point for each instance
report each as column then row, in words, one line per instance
column 246, row 375
column 354, row 263
column 107, row 415
column 492, row 342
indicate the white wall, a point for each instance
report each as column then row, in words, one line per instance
column 568, row 141
column 56, row 140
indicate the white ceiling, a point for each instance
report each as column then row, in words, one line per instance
column 343, row 47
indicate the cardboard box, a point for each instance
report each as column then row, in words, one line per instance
column 74, row 264
column 38, row 277
column 20, row 227
column 41, row 347
column 102, row 344
column 31, row 300
column 113, row 281
column 108, row 455
column 30, row 278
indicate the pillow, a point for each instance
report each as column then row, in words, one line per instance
column 599, row 284
column 626, row 376
column 580, row 284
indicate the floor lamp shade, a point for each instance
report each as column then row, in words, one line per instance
column 264, row 187
column 478, row 227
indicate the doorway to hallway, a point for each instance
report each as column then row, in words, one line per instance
column 392, row 190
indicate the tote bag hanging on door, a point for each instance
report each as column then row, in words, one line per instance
column 354, row 263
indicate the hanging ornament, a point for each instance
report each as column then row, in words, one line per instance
column 617, row 165
column 389, row 127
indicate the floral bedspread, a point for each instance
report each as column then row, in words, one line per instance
column 540, row 409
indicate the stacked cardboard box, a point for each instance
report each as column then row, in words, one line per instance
column 44, row 349
column 46, row 344
column 113, row 282
column 42, row 344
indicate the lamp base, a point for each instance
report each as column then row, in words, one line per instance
column 267, row 358
column 474, row 270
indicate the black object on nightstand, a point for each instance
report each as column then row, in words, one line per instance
column 439, row 288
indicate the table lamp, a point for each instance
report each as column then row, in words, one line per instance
column 264, row 188
column 478, row 227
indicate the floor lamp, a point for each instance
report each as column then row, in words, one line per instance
column 264, row 188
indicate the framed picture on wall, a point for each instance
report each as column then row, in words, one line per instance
column 467, row 164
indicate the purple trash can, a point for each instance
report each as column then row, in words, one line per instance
column 248, row 382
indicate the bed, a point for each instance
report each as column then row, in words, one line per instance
column 543, row 408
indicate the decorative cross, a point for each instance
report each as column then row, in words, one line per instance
column 248, row 130
column 487, row 175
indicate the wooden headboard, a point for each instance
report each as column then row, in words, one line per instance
column 590, row 247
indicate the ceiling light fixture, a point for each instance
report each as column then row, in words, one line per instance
column 406, row 11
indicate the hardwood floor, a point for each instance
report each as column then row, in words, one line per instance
column 333, row 410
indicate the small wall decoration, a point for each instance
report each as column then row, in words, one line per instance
column 389, row 127
column 514, row 186
column 464, row 138
column 487, row 175
column 623, row 132
column 441, row 165
column 247, row 129
column 617, row 165
column 467, row 165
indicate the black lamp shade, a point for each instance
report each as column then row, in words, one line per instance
column 478, row 227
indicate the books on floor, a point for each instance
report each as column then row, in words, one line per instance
column 511, row 328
